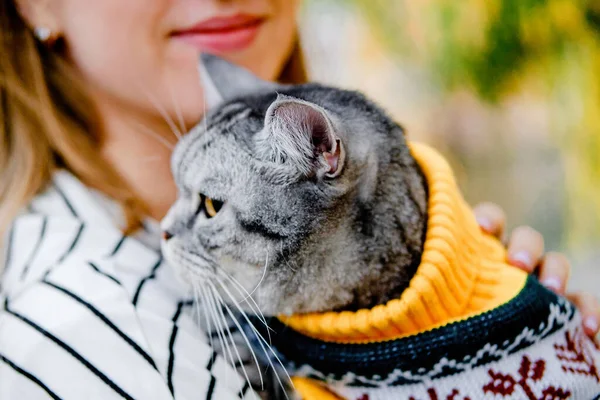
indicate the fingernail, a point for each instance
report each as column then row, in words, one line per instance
column 591, row 324
column 553, row 283
column 521, row 258
column 485, row 224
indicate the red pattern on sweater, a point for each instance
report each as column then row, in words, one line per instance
column 529, row 372
column 433, row 395
column 575, row 356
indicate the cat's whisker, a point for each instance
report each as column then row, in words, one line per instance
column 251, row 350
column 261, row 340
column 175, row 104
column 243, row 292
column 197, row 306
column 264, row 343
column 208, row 329
column 289, row 266
column 262, row 278
column 162, row 111
column 213, row 313
column 224, row 327
column 201, row 303
column 155, row 135
column 234, row 345
column 241, row 330
column 257, row 286
column 256, row 311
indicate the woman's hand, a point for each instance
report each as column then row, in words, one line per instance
column 526, row 251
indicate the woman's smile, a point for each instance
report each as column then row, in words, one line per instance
column 222, row 34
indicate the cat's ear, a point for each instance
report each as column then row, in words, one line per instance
column 303, row 133
column 223, row 81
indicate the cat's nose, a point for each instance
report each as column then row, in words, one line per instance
column 166, row 235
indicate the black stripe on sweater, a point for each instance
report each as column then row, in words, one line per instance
column 104, row 319
column 29, row 376
column 73, row 244
column 211, row 388
column 152, row 275
column 118, row 246
column 244, row 390
column 211, row 361
column 171, row 364
column 71, row 351
column 65, row 199
column 112, row 278
column 36, row 249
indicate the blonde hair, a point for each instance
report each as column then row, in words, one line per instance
column 48, row 121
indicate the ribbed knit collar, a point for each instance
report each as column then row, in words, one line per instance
column 462, row 273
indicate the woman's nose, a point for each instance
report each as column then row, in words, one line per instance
column 166, row 235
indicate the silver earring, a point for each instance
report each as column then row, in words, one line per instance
column 43, row 33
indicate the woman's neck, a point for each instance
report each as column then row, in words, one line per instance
column 140, row 152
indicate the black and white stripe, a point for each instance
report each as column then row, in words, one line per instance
column 54, row 339
column 36, row 249
column 29, row 376
column 90, row 313
column 72, row 245
column 152, row 275
column 171, row 346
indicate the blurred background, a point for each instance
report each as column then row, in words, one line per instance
column 508, row 90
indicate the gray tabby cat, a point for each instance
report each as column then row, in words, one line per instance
column 305, row 197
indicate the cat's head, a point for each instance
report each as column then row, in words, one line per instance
column 280, row 190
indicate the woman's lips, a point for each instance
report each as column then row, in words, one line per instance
column 222, row 34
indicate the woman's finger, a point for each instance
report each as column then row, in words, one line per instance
column 589, row 307
column 491, row 218
column 554, row 272
column 525, row 248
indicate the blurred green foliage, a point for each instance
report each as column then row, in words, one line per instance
column 496, row 48
column 486, row 44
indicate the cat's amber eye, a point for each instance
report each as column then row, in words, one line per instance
column 211, row 207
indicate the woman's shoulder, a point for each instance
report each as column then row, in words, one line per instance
column 78, row 296
column 65, row 224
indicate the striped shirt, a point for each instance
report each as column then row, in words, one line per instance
column 86, row 313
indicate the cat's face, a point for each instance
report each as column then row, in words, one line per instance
column 268, row 189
